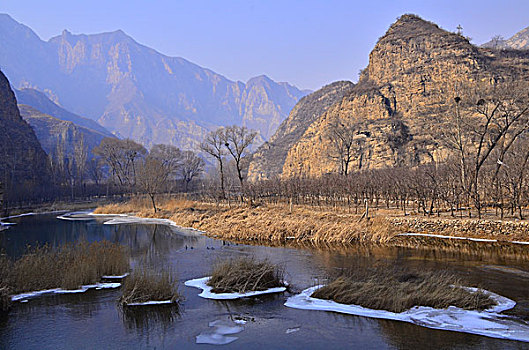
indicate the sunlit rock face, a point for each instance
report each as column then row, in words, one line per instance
column 137, row 92
column 404, row 93
column 269, row 159
column 23, row 163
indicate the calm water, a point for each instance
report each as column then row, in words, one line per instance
column 93, row 320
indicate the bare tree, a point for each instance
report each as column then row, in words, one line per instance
column 342, row 138
column 237, row 141
column 214, row 146
column 497, row 42
column 170, row 157
column 151, row 178
column 121, row 156
column 488, row 118
column 192, row 166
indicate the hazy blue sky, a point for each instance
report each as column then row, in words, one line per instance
column 307, row 43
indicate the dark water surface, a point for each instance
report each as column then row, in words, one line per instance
column 94, row 321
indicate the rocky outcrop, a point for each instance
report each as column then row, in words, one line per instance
column 137, row 92
column 23, row 163
column 401, row 97
column 61, row 138
column 269, row 159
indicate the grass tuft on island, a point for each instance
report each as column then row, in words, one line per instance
column 69, row 266
column 5, row 299
column 244, row 275
column 146, row 285
column 397, row 290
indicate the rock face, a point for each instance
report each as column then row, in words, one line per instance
column 406, row 90
column 23, row 163
column 134, row 91
column 269, row 159
column 60, row 137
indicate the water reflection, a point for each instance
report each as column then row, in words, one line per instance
column 142, row 319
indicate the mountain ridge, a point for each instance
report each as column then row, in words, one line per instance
column 135, row 91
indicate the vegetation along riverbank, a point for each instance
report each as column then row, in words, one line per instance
column 304, row 223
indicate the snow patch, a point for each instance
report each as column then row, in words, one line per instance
column 129, row 219
column 208, row 294
column 77, row 216
column 24, row 296
column 115, row 277
column 152, row 302
column 487, row 323
column 219, row 334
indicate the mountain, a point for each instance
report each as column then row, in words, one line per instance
column 135, row 91
column 519, row 41
column 43, row 104
column 61, row 138
column 403, row 94
column 23, row 162
column 268, row 160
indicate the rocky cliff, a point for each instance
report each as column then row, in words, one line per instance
column 60, row 137
column 269, row 159
column 137, row 92
column 405, row 91
column 23, row 163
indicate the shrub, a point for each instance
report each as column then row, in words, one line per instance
column 145, row 285
column 397, row 290
column 5, row 299
column 68, row 266
column 245, row 274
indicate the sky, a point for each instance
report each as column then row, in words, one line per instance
column 307, row 43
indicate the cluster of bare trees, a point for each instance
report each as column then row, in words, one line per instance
column 132, row 168
column 234, row 142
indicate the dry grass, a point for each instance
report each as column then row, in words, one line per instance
column 398, row 290
column 266, row 222
column 68, row 266
column 243, row 275
column 5, row 299
column 145, row 284
column 276, row 223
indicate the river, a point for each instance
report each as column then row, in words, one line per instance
column 94, row 320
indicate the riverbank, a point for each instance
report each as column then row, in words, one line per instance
column 279, row 223
column 57, row 206
column 264, row 222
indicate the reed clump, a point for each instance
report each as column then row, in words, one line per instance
column 243, row 275
column 145, row 284
column 69, row 266
column 5, row 299
column 398, row 290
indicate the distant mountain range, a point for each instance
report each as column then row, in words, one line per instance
column 39, row 101
column 134, row 91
